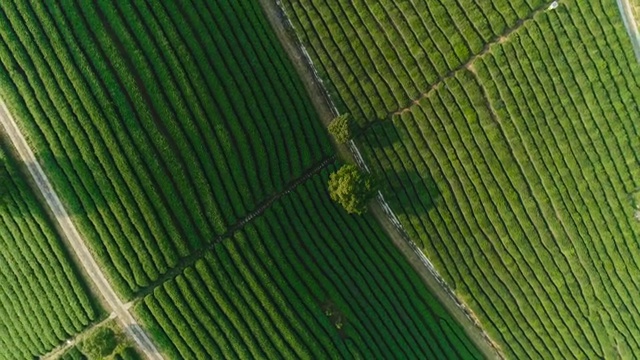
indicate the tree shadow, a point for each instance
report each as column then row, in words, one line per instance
column 405, row 186
column 411, row 191
column 380, row 134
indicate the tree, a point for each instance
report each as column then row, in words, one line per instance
column 342, row 128
column 351, row 188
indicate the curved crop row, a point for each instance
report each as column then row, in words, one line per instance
column 161, row 124
column 304, row 280
column 42, row 300
column 381, row 55
column 519, row 171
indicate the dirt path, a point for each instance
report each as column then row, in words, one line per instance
column 631, row 24
column 128, row 323
column 379, row 209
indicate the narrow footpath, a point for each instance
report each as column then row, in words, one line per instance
column 122, row 314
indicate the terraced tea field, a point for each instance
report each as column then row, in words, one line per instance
column 507, row 137
column 380, row 55
column 43, row 301
column 186, row 152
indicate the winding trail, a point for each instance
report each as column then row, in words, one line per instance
column 122, row 314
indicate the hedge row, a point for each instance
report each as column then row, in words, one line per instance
column 304, row 280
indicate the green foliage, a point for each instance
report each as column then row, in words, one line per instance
column 352, row 188
column 635, row 198
column 161, row 124
column 400, row 50
column 513, row 173
column 292, row 261
column 5, row 182
column 126, row 353
column 342, row 128
column 155, row 126
column 100, row 344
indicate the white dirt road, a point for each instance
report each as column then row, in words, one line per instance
column 124, row 317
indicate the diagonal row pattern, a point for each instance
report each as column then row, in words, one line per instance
column 159, row 135
column 303, row 280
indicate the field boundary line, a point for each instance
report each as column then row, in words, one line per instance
column 201, row 253
column 314, row 84
column 631, row 24
column 69, row 231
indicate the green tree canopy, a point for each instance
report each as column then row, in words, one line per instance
column 342, row 128
column 351, row 188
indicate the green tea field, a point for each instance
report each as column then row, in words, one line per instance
column 43, row 301
column 507, row 138
column 147, row 147
column 303, row 280
column 190, row 160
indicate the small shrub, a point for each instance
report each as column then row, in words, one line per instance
column 342, row 128
column 73, row 354
column 351, row 188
